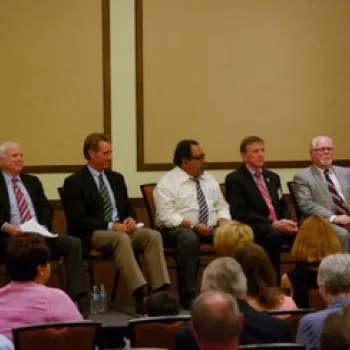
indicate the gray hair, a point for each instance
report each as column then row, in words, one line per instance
column 5, row 146
column 334, row 273
column 225, row 275
column 316, row 139
column 215, row 317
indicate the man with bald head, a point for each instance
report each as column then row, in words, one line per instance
column 22, row 198
column 323, row 189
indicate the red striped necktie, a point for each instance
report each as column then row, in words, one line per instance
column 265, row 195
column 340, row 206
column 21, row 201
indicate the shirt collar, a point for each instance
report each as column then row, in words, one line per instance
column 94, row 172
column 252, row 171
column 321, row 171
column 8, row 178
column 341, row 301
column 183, row 176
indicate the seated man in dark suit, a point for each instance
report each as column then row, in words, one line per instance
column 22, row 198
column 226, row 275
column 99, row 211
column 255, row 197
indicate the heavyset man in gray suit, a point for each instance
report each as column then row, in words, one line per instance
column 323, row 189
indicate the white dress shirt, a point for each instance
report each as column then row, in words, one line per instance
column 175, row 198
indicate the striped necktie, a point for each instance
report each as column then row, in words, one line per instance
column 340, row 206
column 21, row 201
column 202, row 203
column 107, row 205
column 265, row 194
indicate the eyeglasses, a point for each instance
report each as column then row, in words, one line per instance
column 323, row 149
column 199, row 157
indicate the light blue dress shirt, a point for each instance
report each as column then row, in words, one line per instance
column 15, row 215
column 5, row 344
column 95, row 174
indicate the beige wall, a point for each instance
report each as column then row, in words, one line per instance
column 123, row 107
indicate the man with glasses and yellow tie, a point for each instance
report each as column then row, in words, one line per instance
column 189, row 206
column 323, row 189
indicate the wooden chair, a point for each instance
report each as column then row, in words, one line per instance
column 147, row 194
column 156, row 332
column 273, row 346
column 293, row 320
column 57, row 336
column 95, row 256
column 292, row 187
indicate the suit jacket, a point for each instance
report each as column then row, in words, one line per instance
column 312, row 194
column 246, row 202
column 258, row 328
column 311, row 325
column 84, row 207
column 43, row 210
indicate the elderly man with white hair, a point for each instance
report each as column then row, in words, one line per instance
column 226, row 275
column 323, row 189
column 333, row 279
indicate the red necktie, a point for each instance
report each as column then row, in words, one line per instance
column 21, row 201
column 340, row 206
column 265, row 195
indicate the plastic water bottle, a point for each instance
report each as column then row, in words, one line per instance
column 103, row 304
column 94, row 301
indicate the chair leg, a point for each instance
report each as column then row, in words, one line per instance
column 61, row 272
column 115, row 284
column 91, row 274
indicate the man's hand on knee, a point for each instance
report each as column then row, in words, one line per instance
column 130, row 224
column 118, row 227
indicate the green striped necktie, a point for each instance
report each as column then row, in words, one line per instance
column 107, row 205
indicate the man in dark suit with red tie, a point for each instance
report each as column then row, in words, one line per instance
column 255, row 197
column 22, row 198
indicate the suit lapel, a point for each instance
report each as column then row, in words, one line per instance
column 92, row 187
column 321, row 184
column 5, row 200
column 253, row 187
column 343, row 182
column 114, row 186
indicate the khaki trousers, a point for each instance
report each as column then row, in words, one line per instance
column 123, row 244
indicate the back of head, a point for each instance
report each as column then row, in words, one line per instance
column 315, row 240
column 215, row 318
column 260, row 274
column 225, row 275
column 334, row 274
column 24, row 254
column 230, row 236
column 336, row 332
column 162, row 304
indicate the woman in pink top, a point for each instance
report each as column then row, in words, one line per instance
column 263, row 293
column 26, row 300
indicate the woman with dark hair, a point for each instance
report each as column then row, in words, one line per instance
column 263, row 293
column 26, row 300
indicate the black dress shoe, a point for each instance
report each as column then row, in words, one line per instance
column 83, row 305
column 187, row 303
column 140, row 307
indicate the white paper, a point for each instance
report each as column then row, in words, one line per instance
column 31, row 226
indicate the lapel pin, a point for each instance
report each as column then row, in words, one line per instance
column 267, row 179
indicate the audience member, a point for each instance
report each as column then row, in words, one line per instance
column 226, row 275
column 315, row 240
column 336, row 332
column 333, row 279
column 263, row 293
column 323, row 189
column 99, row 211
column 255, row 197
column 216, row 321
column 5, row 344
column 22, row 198
column 162, row 304
column 26, row 300
column 230, row 236
column 189, row 205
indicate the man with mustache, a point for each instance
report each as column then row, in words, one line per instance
column 323, row 189
column 189, row 206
